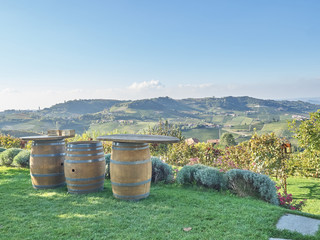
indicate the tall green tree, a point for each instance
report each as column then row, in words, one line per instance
column 166, row 129
column 227, row 139
column 308, row 135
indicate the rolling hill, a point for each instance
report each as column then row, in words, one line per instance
column 199, row 117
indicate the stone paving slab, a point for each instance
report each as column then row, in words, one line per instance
column 300, row 224
column 278, row 239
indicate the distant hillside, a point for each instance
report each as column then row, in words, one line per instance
column 80, row 107
column 198, row 117
column 160, row 104
column 249, row 103
column 187, row 106
column 310, row 100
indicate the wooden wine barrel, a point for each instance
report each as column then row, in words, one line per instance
column 84, row 167
column 46, row 164
column 130, row 170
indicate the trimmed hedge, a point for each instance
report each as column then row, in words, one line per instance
column 247, row 183
column 6, row 157
column 187, row 174
column 22, row 159
column 202, row 175
column 161, row 171
column 211, row 178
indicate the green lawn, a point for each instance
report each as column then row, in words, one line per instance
column 306, row 188
column 27, row 213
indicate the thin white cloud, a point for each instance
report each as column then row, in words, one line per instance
column 76, row 91
column 153, row 84
column 9, row 91
column 203, row 85
column 31, row 98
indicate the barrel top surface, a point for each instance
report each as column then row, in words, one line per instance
column 138, row 138
column 43, row 138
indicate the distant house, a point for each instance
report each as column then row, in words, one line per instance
column 213, row 141
column 299, row 117
column 191, row 141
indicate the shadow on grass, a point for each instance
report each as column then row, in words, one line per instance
column 310, row 191
column 313, row 192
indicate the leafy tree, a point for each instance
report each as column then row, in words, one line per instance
column 166, row 129
column 227, row 139
column 261, row 154
column 308, row 132
column 308, row 135
column 8, row 141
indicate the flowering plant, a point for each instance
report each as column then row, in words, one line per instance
column 286, row 201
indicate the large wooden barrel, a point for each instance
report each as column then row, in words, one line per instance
column 130, row 170
column 46, row 164
column 84, row 167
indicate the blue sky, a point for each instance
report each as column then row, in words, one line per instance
column 52, row 51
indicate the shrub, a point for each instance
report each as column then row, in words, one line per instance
column 308, row 135
column 2, row 149
column 187, row 174
column 165, row 129
column 107, row 157
column 21, row 159
column 211, row 178
column 8, row 141
column 306, row 163
column 286, row 201
column 161, row 171
column 179, row 154
column 6, row 157
column 247, row 183
column 202, row 175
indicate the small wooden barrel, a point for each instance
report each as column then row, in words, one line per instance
column 84, row 167
column 46, row 164
column 130, row 170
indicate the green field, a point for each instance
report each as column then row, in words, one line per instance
column 27, row 213
column 34, row 125
column 203, row 134
column 279, row 128
column 218, row 119
column 131, row 128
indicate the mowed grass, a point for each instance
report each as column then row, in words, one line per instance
column 27, row 213
column 306, row 188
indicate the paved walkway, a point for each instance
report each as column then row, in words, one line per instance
column 296, row 223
